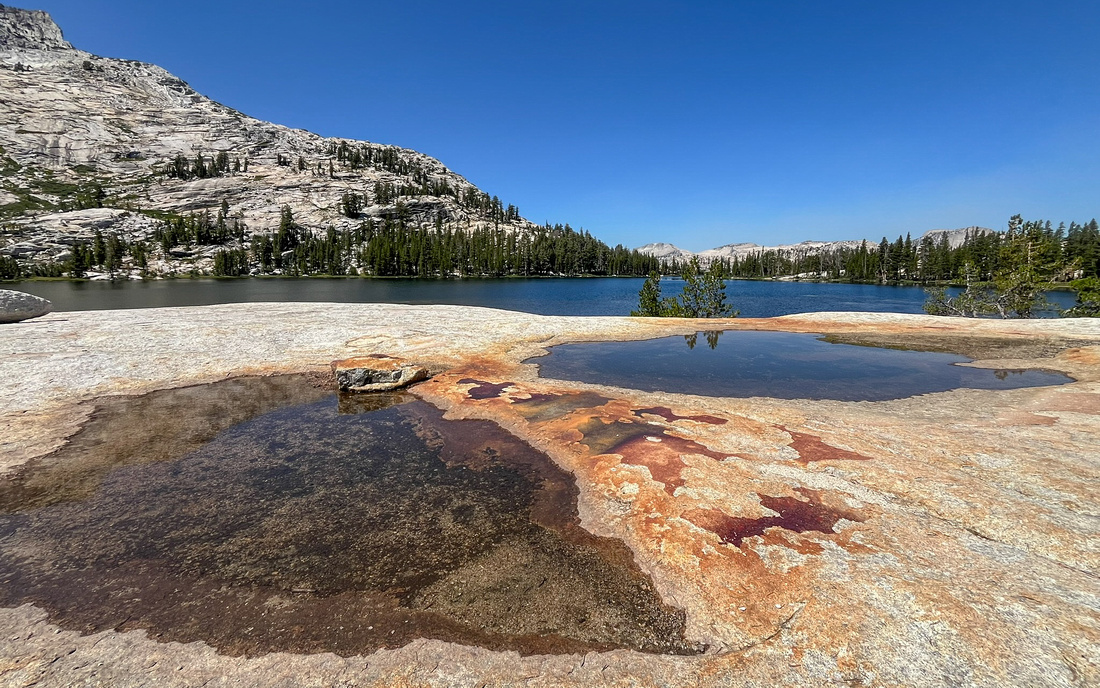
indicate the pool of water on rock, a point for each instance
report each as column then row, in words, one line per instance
column 265, row 514
column 782, row 365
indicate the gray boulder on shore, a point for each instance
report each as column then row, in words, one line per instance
column 16, row 306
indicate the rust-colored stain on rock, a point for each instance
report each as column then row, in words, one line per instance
column 663, row 455
column 811, row 448
column 667, row 413
column 793, row 514
column 1087, row 403
column 644, row 445
column 1024, row 418
column 540, row 407
column 1084, row 356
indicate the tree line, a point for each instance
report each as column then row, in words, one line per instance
column 930, row 259
column 388, row 247
column 391, row 248
column 1009, row 272
column 1006, row 274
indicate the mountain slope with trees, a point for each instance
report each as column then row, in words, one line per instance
column 119, row 168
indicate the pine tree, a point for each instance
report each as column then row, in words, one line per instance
column 1088, row 299
column 649, row 298
column 703, row 295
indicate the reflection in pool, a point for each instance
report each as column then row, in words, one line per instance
column 782, row 365
column 318, row 526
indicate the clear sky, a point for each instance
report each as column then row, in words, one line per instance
column 697, row 123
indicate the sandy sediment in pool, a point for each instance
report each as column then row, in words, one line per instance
column 944, row 539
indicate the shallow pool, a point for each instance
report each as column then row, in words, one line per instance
column 308, row 523
column 782, row 365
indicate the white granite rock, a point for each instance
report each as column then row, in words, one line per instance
column 16, row 306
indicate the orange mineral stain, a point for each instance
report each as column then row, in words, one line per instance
column 641, row 444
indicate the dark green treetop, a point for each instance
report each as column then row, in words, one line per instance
column 703, row 295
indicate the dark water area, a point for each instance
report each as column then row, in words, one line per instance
column 557, row 296
column 781, row 365
column 560, row 296
column 323, row 525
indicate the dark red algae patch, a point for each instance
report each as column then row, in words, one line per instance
column 794, row 514
column 483, row 389
column 810, row 448
column 320, row 527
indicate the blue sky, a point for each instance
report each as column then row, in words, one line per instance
column 700, row 123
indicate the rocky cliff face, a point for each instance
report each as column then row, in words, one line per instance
column 805, row 248
column 86, row 141
column 665, row 251
column 956, row 237
column 30, row 30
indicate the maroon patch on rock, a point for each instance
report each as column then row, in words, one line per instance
column 795, row 514
column 483, row 389
column 811, row 448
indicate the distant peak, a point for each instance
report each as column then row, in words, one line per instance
column 30, row 30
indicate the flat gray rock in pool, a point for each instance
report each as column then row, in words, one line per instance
column 16, row 306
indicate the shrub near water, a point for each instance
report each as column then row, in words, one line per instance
column 703, row 296
column 1088, row 299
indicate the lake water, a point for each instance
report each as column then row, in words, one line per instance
column 776, row 364
column 562, row 296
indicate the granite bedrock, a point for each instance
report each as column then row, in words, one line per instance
column 945, row 539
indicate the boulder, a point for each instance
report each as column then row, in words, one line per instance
column 16, row 306
column 376, row 373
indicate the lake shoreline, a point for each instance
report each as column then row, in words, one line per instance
column 1058, row 286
